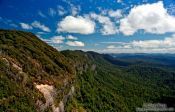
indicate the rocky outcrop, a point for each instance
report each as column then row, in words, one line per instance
column 19, row 75
column 50, row 93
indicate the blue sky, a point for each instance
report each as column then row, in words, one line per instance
column 106, row 26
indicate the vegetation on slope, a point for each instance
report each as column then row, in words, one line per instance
column 25, row 61
column 112, row 88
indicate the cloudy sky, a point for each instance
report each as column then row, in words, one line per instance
column 105, row 26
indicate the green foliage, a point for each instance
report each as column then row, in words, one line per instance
column 110, row 88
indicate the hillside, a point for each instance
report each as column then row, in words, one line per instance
column 36, row 77
column 26, row 61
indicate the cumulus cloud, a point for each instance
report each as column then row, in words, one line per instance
column 26, row 26
column 109, row 27
column 115, row 13
column 75, row 43
column 152, row 18
column 166, row 45
column 70, row 37
column 40, row 26
column 72, row 40
column 78, row 24
column 57, row 39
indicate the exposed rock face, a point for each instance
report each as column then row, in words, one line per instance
column 20, row 76
column 50, row 93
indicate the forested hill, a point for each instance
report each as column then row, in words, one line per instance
column 36, row 77
column 29, row 70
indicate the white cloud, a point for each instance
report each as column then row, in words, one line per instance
column 152, row 18
column 60, row 39
column 57, row 39
column 61, row 11
column 109, row 27
column 42, row 27
column 52, row 12
column 41, row 14
column 76, row 25
column 111, row 47
column 166, row 45
column 70, row 37
column 168, row 42
column 115, row 13
column 26, row 26
column 75, row 43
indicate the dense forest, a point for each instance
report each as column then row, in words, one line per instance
column 102, row 82
column 116, row 87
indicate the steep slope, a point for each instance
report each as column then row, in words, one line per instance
column 27, row 63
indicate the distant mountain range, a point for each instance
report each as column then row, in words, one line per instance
column 160, row 59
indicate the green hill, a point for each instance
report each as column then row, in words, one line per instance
column 36, row 77
column 25, row 61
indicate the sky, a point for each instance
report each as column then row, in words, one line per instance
column 104, row 26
